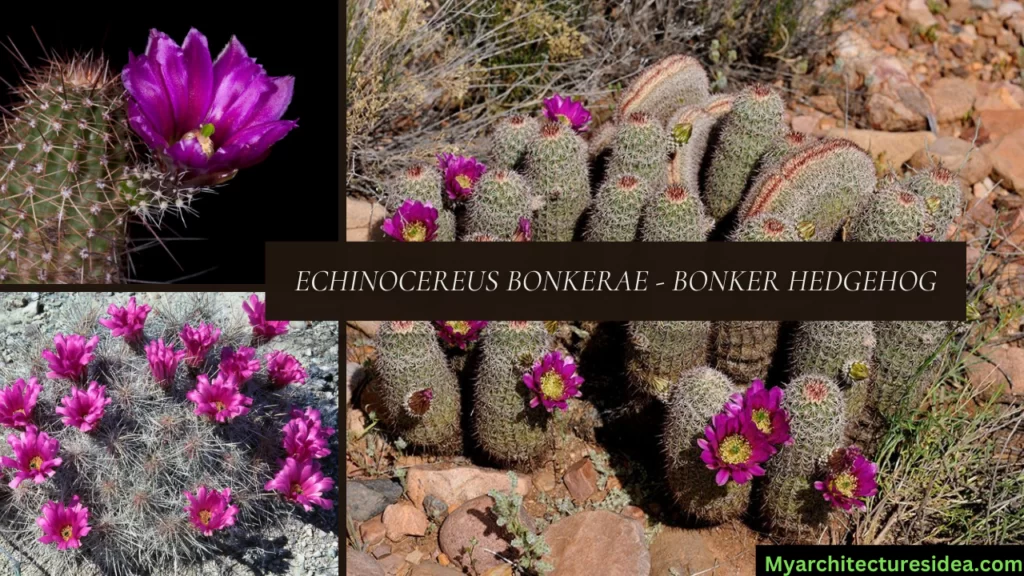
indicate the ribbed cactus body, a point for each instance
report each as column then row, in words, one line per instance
column 419, row 182
column 818, row 187
column 783, row 146
column 697, row 396
column 719, row 105
column 688, row 129
column 501, row 199
column 641, row 148
column 505, row 425
column 660, row 89
column 766, row 228
column 446, row 226
column 557, row 171
column 893, row 215
column 743, row 350
column 795, row 510
column 615, row 210
column 901, row 350
column 419, row 390
column 939, row 189
column 511, row 136
column 754, row 121
column 675, row 215
column 660, row 351
column 842, row 351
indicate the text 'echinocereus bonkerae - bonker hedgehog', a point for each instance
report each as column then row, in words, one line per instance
column 130, row 457
column 74, row 176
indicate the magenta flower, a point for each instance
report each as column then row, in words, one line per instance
column 413, row 222
column 84, row 409
column 210, row 510
column 127, row 321
column 220, row 399
column 283, row 369
column 735, row 447
column 305, row 436
column 197, row 342
column 523, row 233
column 163, row 361
column 925, row 238
column 553, row 380
column 459, row 333
column 237, row 366
column 566, row 111
column 65, row 525
column 301, row 482
column 71, row 356
column 850, row 479
column 764, row 408
column 17, row 402
column 262, row 328
column 208, row 117
column 460, row 174
column 35, row 456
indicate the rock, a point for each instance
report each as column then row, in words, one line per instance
column 431, row 569
column 581, row 480
column 730, row 547
column 362, row 217
column 394, row 564
column 544, row 479
column 997, row 370
column 474, row 519
column 952, row 98
column 954, row 153
column 1008, row 9
column 890, row 114
column 368, row 498
column 382, row 550
column 1006, row 160
column 805, row 124
column 826, row 103
column 1001, row 96
column 361, row 564
column 917, row 14
column 973, row 255
column 456, row 484
column 983, row 4
column 372, row 531
column 981, row 212
column 988, row 29
column 597, row 542
column 503, row 570
column 634, row 513
column 436, row 509
column 366, row 327
column 999, row 123
column 404, row 519
column 894, row 148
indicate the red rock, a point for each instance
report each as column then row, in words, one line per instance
column 634, row 513
column 980, row 211
column 474, row 519
column 581, row 480
column 997, row 369
column 952, row 98
column 726, row 550
column 362, row 217
column 597, row 542
column 1001, row 96
column 430, row 569
column 361, row 564
column 805, row 124
column 893, row 148
column 999, row 123
column 404, row 519
column 372, row 531
column 455, row 484
column 1006, row 160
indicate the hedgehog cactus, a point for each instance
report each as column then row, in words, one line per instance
column 616, row 210
column 894, row 215
column 902, row 351
column 660, row 351
column 418, row 389
column 698, row 395
column 506, row 426
column 556, row 163
column 689, row 129
column 940, row 191
column 675, row 215
column 498, row 206
column 840, row 350
column 640, row 148
column 419, row 182
column 744, row 350
column 510, row 140
column 796, row 512
column 766, row 228
column 660, row 89
column 753, row 122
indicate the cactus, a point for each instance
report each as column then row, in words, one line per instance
column 660, row 351
column 894, row 215
column 500, row 201
column 795, row 510
column 557, row 169
column 818, row 186
column 675, row 215
column 940, row 190
column 660, row 89
column 766, row 228
column 640, row 148
column 743, row 350
column 510, row 140
column 689, row 129
column 782, row 146
column 419, row 391
column 698, row 395
column 615, row 211
column 505, row 425
column 419, row 182
column 719, row 105
column 749, row 128
column 840, row 350
column 901, row 351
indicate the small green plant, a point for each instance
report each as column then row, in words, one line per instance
column 531, row 546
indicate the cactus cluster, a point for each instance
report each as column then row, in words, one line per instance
column 843, row 351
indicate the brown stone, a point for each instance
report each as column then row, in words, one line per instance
column 544, row 479
column 634, row 513
column 723, row 550
column 1000, row 123
column 581, row 480
column 362, row 217
column 1006, row 160
column 474, row 519
column 826, row 103
column 597, row 542
column 997, row 370
column 980, row 211
column 952, row 98
column 805, row 124
column 361, row 564
column 404, row 519
column 455, row 484
column 893, row 148
column 503, row 570
column 917, row 15
column 956, row 155
column 889, row 113
column 430, row 569
column 372, row 531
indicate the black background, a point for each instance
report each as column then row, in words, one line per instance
column 293, row 195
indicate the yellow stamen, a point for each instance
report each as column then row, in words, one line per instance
column 204, row 517
column 35, row 463
column 763, row 420
column 219, row 405
column 734, row 449
column 204, row 141
column 296, row 489
column 66, row 533
column 459, row 327
column 564, row 119
column 464, row 181
column 19, row 411
column 552, row 385
column 415, row 232
column 845, row 484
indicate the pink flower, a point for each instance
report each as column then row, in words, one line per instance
column 210, row 510
column 305, row 437
column 17, row 402
column 460, row 174
column 302, row 483
column 414, row 221
column 553, row 380
column 64, row 525
column 163, row 361
column 220, row 400
column 284, row 369
column 127, row 321
column 239, row 365
column 735, row 447
column 71, row 356
column 35, row 456
column 261, row 327
column 764, row 408
column 523, row 233
column 459, row 333
column 197, row 342
column 850, row 479
column 560, row 109
column 84, row 409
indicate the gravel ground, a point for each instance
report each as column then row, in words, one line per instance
column 306, row 544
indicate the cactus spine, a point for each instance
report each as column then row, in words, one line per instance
column 505, row 425
column 743, row 350
column 894, row 215
column 418, row 182
column 615, row 210
column 766, row 228
column 940, row 190
column 557, row 169
column 675, row 215
column 641, row 148
column 698, row 395
column 510, row 140
column 900, row 354
column 500, row 201
column 419, row 391
column 661, row 88
column 659, row 351
column 842, row 351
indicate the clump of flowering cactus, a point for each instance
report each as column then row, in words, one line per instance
column 127, row 321
column 850, row 479
column 82, row 409
column 70, row 356
column 17, row 402
column 63, row 525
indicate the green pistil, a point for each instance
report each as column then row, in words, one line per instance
column 552, row 386
column 845, row 484
column 415, row 232
column 459, row 327
column 734, row 449
column 464, row 181
column 207, row 130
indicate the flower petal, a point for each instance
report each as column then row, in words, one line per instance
column 142, row 80
column 199, row 65
column 188, row 152
column 274, row 103
column 171, row 60
column 234, row 76
column 251, row 145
